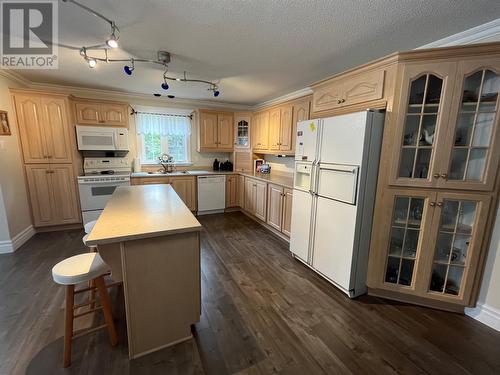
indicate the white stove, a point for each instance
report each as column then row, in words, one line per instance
column 101, row 177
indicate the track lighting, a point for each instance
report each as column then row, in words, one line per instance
column 129, row 69
column 216, row 93
column 92, row 63
column 112, row 42
column 165, row 85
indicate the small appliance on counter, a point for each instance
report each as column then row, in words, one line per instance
column 222, row 166
column 265, row 168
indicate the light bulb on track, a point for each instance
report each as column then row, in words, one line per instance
column 92, row 63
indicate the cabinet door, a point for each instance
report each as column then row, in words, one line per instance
column 363, row 88
column 456, row 237
column 300, row 113
column 260, row 200
column 242, row 131
column 185, row 189
column 208, row 130
column 286, row 225
column 231, row 191
column 31, row 128
column 241, row 191
column 64, row 191
column 473, row 141
column 113, row 114
column 275, row 206
column 399, row 244
column 87, row 113
column 225, row 131
column 250, row 189
column 286, row 128
column 327, row 97
column 40, row 191
column 274, row 129
column 421, row 121
column 262, row 136
column 243, row 161
column 57, row 129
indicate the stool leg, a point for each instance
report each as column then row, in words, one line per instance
column 106, row 308
column 68, row 326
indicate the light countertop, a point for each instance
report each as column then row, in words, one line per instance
column 142, row 211
column 283, row 179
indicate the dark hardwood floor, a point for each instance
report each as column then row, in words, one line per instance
column 263, row 313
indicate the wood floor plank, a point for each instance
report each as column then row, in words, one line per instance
column 263, row 312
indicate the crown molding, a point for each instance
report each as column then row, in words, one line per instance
column 284, row 98
column 14, row 76
column 474, row 35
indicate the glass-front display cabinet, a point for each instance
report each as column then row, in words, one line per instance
column 242, row 131
column 432, row 243
column 471, row 154
column 421, row 120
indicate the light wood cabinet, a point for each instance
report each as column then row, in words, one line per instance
column 89, row 112
column 44, row 128
column 250, row 191
column 215, row 131
column 231, row 191
column 242, row 129
column 52, row 194
column 431, row 244
column 275, row 206
column 274, row 129
column 256, row 198
column 300, row 112
column 185, row 187
column 287, row 211
column 286, row 128
column 345, row 91
column 241, row 191
column 243, row 161
column 260, row 138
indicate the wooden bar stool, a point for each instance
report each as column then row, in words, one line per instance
column 79, row 269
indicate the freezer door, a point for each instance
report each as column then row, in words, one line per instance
column 343, row 138
column 300, row 227
column 334, row 234
column 307, row 140
column 338, row 181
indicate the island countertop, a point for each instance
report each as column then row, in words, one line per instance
column 142, row 211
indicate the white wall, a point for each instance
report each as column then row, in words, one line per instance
column 280, row 164
column 16, row 213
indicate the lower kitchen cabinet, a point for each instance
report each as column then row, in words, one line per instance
column 231, row 191
column 279, row 208
column 256, row 198
column 185, row 187
column 52, row 192
column 241, row 191
column 431, row 244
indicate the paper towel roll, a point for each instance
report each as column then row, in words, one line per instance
column 137, row 165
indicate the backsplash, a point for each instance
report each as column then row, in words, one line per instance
column 280, row 164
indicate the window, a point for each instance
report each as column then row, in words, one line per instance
column 159, row 134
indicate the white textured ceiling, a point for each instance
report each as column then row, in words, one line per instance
column 258, row 49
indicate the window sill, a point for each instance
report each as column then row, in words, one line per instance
column 179, row 164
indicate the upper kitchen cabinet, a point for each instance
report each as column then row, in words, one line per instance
column 44, row 127
column 215, row 131
column 89, row 112
column 421, row 123
column 260, row 137
column 472, row 149
column 242, row 130
column 335, row 93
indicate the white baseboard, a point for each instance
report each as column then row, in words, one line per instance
column 485, row 314
column 17, row 241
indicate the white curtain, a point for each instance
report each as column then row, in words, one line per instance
column 163, row 125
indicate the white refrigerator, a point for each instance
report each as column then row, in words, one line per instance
column 336, row 168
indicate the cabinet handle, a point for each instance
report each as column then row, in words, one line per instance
column 444, row 175
column 439, row 204
column 432, row 204
column 436, row 175
column 339, row 101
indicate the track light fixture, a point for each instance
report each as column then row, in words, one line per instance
column 112, row 43
column 129, row 69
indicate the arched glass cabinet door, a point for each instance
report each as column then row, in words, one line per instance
column 421, row 123
column 242, row 131
column 472, row 150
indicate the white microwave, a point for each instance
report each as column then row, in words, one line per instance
column 100, row 138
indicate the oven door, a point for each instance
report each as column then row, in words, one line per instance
column 95, row 194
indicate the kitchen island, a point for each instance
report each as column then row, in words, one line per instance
column 150, row 239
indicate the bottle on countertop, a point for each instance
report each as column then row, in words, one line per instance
column 216, row 165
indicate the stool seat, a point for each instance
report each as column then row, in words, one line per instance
column 89, row 226
column 79, row 268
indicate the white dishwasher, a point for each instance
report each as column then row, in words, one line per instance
column 211, row 194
